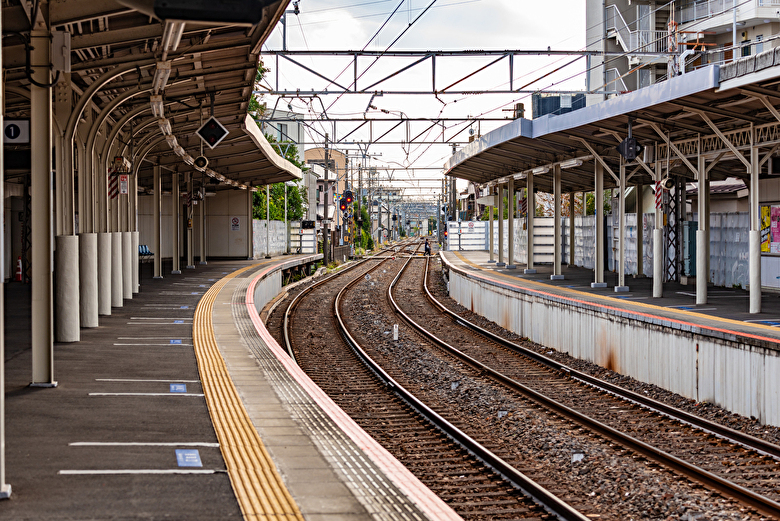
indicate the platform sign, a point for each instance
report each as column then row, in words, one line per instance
column 124, row 184
column 188, row 458
column 16, row 131
column 178, row 388
column 176, row 341
column 235, row 224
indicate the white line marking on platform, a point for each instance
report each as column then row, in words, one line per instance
column 710, row 295
column 172, row 380
column 178, row 321
column 151, row 338
column 158, row 318
column 141, row 444
column 635, row 298
column 690, row 307
column 168, row 344
column 139, row 471
column 145, row 394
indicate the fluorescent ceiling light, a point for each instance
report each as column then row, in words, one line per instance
column 188, row 159
column 179, row 151
column 156, row 102
column 161, row 74
column 540, row 170
column 165, row 126
column 571, row 163
column 172, row 141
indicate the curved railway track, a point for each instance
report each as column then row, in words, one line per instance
column 733, row 463
column 439, row 454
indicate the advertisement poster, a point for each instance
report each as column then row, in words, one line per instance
column 775, row 229
column 764, row 226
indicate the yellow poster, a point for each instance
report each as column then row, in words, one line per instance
column 766, row 226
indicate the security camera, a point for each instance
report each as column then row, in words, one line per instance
column 667, row 183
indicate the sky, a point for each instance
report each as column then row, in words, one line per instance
column 327, row 25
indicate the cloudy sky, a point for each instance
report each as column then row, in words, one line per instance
column 447, row 25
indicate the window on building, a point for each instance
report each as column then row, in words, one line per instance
column 759, row 43
column 746, row 48
column 283, row 132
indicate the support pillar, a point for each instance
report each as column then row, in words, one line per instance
column 134, row 231
column 190, row 251
column 175, row 225
column 598, row 265
column 157, row 223
column 658, row 232
column 501, row 262
column 117, row 288
column 203, row 230
column 572, row 227
column 41, row 206
column 621, row 287
column 640, row 231
column 66, row 297
column 127, row 265
column 754, row 245
column 702, row 232
column 88, row 279
column 104, row 268
column 530, row 212
column 510, row 206
column 491, row 247
column 135, row 259
column 557, row 236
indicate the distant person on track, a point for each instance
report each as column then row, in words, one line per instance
column 427, row 248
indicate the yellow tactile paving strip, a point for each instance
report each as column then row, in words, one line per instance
column 256, row 482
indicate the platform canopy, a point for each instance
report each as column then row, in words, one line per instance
column 717, row 104
column 212, row 72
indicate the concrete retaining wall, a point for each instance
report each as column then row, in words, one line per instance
column 271, row 284
column 277, row 235
column 735, row 373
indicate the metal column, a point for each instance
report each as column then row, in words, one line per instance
column 501, row 262
column 557, row 237
column 598, row 267
column 491, row 209
column 190, row 199
column 41, row 196
column 658, row 231
column 175, row 224
column 754, row 252
column 703, row 231
column 203, row 228
column 530, row 210
column 5, row 488
column 510, row 206
column 640, row 231
column 621, row 286
column 157, row 223
column 572, row 228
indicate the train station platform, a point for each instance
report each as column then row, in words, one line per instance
column 718, row 353
column 177, row 407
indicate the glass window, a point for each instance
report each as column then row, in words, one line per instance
column 759, row 43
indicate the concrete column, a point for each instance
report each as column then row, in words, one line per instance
column 127, row 265
column 702, row 232
column 66, row 296
column 640, row 231
column 530, row 211
column 250, row 242
column 176, row 225
column 42, row 215
column 754, row 245
column 203, row 231
column 572, row 227
column 190, row 250
column 557, row 236
column 490, row 233
column 621, row 287
column 135, row 260
column 599, row 219
column 658, row 234
column 157, row 223
column 104, row 268
column 510, row 206
column 88, row 279
column 117, row 289
column 501, row 262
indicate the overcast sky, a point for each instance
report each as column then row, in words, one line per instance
column 447, row 25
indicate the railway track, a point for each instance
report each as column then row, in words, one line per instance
column 735, row 464
column 471, row 479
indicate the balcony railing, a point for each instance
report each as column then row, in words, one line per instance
column 706, row 8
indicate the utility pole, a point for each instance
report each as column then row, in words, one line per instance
column 360, row 202
column 325, row 224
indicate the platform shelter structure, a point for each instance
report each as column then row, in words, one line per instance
column 710, row 124
column 101, row 107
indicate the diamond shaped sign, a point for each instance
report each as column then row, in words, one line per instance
column 212, row 132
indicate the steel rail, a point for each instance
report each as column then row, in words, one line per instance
column 761, row 503
column 530, row 488
column 741, row 438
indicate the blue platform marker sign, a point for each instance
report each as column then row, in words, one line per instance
column 195, row 293
column 176, row 341
column 185, row 307
column 684, row 307
column 201, row 285
column 178, row 388
column 178, row 322
column 188, row 458
column 211, row 280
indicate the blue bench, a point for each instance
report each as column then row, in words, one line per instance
column 144, row 253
